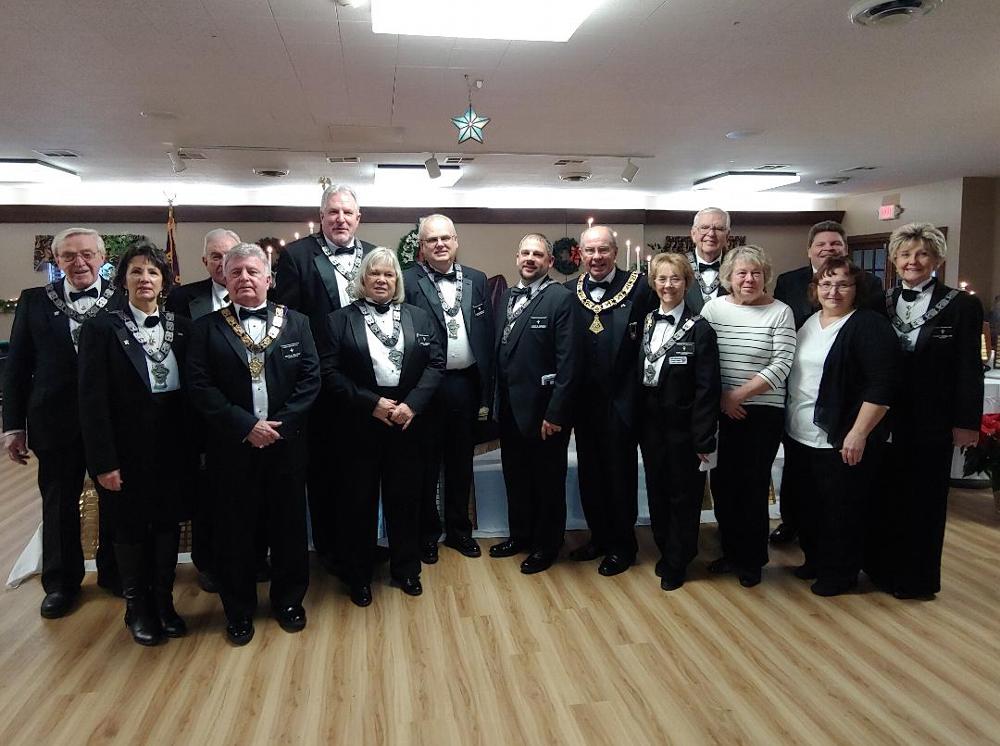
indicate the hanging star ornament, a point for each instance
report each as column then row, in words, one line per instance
column 470, row 125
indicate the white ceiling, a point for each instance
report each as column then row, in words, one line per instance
column 660, row 80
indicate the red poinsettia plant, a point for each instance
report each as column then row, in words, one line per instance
column 984, row 457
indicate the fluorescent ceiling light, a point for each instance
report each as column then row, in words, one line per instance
column 747, row 181
column 514, row 20
column 393, row 175
column 32, row 170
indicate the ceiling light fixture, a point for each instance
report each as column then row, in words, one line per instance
column 176, row 163
column 406, row 175
column 553, row 20
column 629, row 172
column 433, row 167
column 889, row 12
column 33, row 170
column 747, row 181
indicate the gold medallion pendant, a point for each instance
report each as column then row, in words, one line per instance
column 596, row 326
column 256, row 368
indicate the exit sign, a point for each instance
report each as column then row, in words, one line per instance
column 889, row 212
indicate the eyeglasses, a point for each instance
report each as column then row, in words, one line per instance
column 69, row 257
column 826, row 287
column 671, row 281
column 431, row 240
column 712, row 228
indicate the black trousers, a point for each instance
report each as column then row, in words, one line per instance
column 260, row 482
column 741, row 481
column 203, row 553
column 534, row 474
column 386, row 460
column 674, row 490
column 835, row 500
column 322, row 483
column 608, row 475
column 450, row 444
column 60, row 482
column 791, row 495
column 906, row 534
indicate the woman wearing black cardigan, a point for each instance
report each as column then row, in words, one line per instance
column 839, row 390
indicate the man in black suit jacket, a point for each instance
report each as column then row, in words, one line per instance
column 312, row 277
column 455, row 295
column 253, row 373
column 41, row 410
column 827, row 239
column 537, row 356
column 710, row 234
column 611, row 306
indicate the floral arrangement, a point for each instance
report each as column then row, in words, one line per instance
column 984, row 457
column 408, row 249
column 567, row 255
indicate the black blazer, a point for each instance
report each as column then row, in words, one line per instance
column 347, row 362
column 40, row 376
column 192, row 301
column 862, row 366
column 609, row 361
column 792, row 288
column 477, row 311
column 219, row 380
column 545, row 341
column 941, row 381
column 688, row 394
column 118, row 412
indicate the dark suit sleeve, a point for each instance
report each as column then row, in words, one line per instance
column 177, row 302
column 420, row 395
column 19, row 368
column 96, row 337
column 287, row 288
column 205, row 395
column 969, row 365
column 877, row 359
column 707, row 389
column 874, row 295
column 334, row 365
column 567, row 358
column 487, row 370
column 292, row 414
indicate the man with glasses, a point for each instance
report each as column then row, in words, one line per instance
column 710, row 234
column 456, row 296
column 611, row 305
column 41, row 409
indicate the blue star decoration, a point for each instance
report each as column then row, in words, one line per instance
column 470, row 125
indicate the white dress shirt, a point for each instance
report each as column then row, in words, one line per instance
column 346, row 263
column 662, row 331
column 523, row 300
column 81, row 305
column 153, row 336
column 385, row 371
column 597, row 294
column 913, row 310
column 460, row 354
column 255, row 328
column 220, row 296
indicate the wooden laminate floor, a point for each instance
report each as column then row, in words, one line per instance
column 489, row 656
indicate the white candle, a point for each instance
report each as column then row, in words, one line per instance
column 269, row 250
column 311, row 225
column 281, row 242
column 638, row 259
column 628, row 254
column 590, row 223
column 296, row 235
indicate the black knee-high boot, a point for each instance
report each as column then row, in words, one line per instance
column 139, row 615
column 164, row 570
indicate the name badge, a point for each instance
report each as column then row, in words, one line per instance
column 549, row 379
column 633, row 330
column 942, row 332
column 479, row 310
column 424, row 340
column 538, row 322
column 677, row 360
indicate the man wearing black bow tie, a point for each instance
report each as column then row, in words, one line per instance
column 312, row 276
column 41, row 409
column 455, row 295
column 253, row 373
column 710, row 234
column 537, row 354
column 611, row 306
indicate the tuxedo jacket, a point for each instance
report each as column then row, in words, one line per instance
column 40, row 376
column 544, row 342
column 694, row 300
column 219, row 380
column 192, row 301
column 306, row 281
column 477, row 311
column 120, row 417
column 792, row 288
column 347, row 362
column 687, row 394
column 942, row 378
column 609, row 358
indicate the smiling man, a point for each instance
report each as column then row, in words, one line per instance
column 710, row 234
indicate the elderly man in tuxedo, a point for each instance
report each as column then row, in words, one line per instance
column 456, row 297
column 313, row 276
column 611, row 305
column 253, row 373
column 41, row 410
column 537, row 353
column 710, row 234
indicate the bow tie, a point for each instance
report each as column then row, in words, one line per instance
column 714, row 266
column 225, row 298
column 89, row 293
column 594, row 284
column 151, row 321
column 379, row 308
column 444, row 275
column 338, row 250
column 259, row 313
column 526, row 292
column 657, row 316
column 911, row 295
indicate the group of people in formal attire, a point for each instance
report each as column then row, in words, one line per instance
column 264, row 401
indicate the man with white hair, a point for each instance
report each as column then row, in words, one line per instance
column 710, row 234
column 41, row 409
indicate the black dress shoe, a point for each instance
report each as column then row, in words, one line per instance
column 506, row 548
column 586, row 553
column 614, row 564
column 907, row 595
column 58, row 603
column 240, row 632
column 829, row 588
column 805, row 571
column 429, row 552
column 783, row 534
column 661, row 568
column 537, row 562
column 721, row 566
column 207, row 582
column 410, row 586
column 464, row 544
column 749, row 577
column 291, row 618
column 671, row 581
column 361, row 595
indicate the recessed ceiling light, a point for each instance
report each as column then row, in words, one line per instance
column 743, row 134
column 34, row 171
column 575, row 177
column 271, row 173
column 161, row 115
column 552, row 20
column 407, row 175
column 747, row 181
column 889, row 12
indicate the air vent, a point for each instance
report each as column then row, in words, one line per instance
column 271, row 173
column 575, row 176
column 58, row 153
column 191, row 155
column 342, row 159
column 772, row 167
column 889, row 12
column 858, row 168
column 832, row 180
column 454, row 160
column 567, row 162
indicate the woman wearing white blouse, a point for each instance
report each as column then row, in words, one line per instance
column 756, row 335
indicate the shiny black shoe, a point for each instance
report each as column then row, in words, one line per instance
column 805, row 571
column 671, row 580
column 537, row 562
column 829, row 588
column 783, row 534
column 749, row 576
column 291, row 618
column 586, row 553
column 410, row 586
column 721, row 566
column 172, row 623
column 506, row 548
column 464, row 544
column 614, row 564
column 906, row 595
column 429, row 552
column 58, row 603
column 361, row 595
column 207, row 582
column 240, row 632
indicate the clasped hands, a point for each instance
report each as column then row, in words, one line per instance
column 264, row 433
column 392, row 412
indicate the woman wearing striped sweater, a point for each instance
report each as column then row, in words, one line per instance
column 756, row 335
